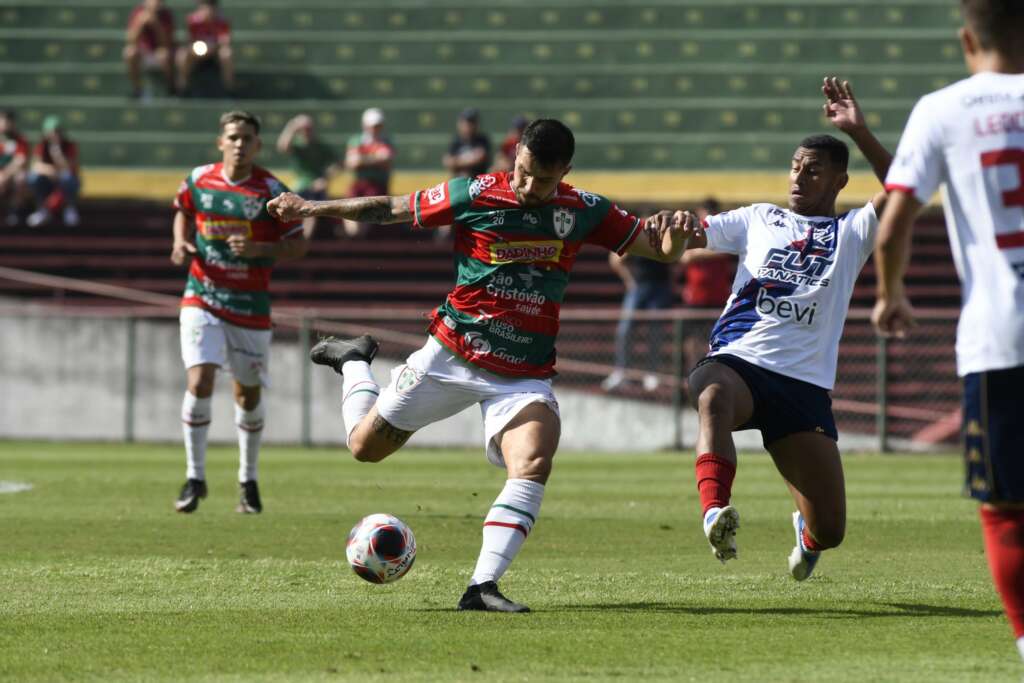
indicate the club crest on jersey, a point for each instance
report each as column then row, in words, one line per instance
column 252, row 206
column 564, row 221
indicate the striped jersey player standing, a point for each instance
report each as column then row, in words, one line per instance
column 492, row 342
column 773, row 352
column 225, row 310
column 970, row 136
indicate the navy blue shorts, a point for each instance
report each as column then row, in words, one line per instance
column 994, row 435
column 782, row 405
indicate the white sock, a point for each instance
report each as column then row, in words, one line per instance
column 1020, row 646
column 506, row 526
column 249, row 425
column 358, row 391
column 195, row 423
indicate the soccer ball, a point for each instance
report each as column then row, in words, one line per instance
column 381, row 548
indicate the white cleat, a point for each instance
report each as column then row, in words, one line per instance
column 720, row 525
column 801, row 561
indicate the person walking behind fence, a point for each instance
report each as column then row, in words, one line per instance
column 970, row 136
column 648, row 288
column 225, row 310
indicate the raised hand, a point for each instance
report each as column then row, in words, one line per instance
column 841, row 106
column 893, row 317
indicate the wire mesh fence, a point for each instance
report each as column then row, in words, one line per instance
column 888, row 396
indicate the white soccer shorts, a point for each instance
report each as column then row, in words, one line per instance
column 434, row 384
column 205, row 338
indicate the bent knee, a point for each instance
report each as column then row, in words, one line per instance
column 829, row 535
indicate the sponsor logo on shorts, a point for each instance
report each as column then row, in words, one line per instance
column 221, row 230
column 437, row 194
column 526, row 252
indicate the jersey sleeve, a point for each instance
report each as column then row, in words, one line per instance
column 442, row 204
column 919, row 165
column 864, row 224
column 617, row 230
column 183, row 199
column 727, row 231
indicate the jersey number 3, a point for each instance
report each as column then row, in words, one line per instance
column 1010, row 198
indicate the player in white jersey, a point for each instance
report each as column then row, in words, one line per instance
column 970, row 136
column 772, row 358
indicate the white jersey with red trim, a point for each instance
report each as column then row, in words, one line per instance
column 792, row 288
column 970, row 135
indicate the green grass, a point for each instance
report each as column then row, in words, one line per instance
column 100, row 579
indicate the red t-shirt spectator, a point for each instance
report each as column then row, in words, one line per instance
column 148, row 39
column 13, row 148
column 67, row 147
column 212, row 30
column 709, row 281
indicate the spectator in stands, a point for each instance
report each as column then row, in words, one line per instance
column 54, row 176
column 708, row 285
column 13, row 166
column 507, row 156
column 469, row 153
column 648, row 288
column 313, row 161
column 149, row 43
column 209, row 39
column 368, row 156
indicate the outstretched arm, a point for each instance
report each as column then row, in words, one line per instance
column 844, row 112
column 667, row 235
column 289, row 207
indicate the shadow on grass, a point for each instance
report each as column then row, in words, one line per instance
column 889, row 609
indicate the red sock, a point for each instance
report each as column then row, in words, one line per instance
column 714, row 481
column 1004, row 545
column 809, row 542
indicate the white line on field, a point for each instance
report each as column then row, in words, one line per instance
column 14, row 486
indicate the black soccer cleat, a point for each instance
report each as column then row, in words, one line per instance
column 249, row 502
column 191, row 492
column 485, row 597
column 334, row 352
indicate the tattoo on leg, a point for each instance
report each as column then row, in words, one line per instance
column 385, row 429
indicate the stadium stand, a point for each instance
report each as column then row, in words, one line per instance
column 646, row 84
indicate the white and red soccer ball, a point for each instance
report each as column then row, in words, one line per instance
column 381, row 548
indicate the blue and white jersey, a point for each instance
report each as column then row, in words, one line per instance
column 792, row 288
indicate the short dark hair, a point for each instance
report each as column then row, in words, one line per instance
column 711, row 205
column 239, row 116
column 8, row 114
column 550, row 142
column 838, row 152
column 998, row 24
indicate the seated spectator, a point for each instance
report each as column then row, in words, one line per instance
column 368, row 156
column 469, row 153
column 54, row 175
column 507, row 156
column 313, row 162
column 149, row 43
column 13, row 166
column 209, row 40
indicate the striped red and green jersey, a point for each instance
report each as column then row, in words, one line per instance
column 12, row 147
column 231, row 287
column 512, row 266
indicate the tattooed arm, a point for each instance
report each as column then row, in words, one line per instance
column 290, row 207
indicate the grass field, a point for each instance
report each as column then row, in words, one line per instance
column 100, row 579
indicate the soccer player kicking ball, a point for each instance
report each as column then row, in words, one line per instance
column 772, row 357
column 970, row 136
column 225, row 311
column 492, row 342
